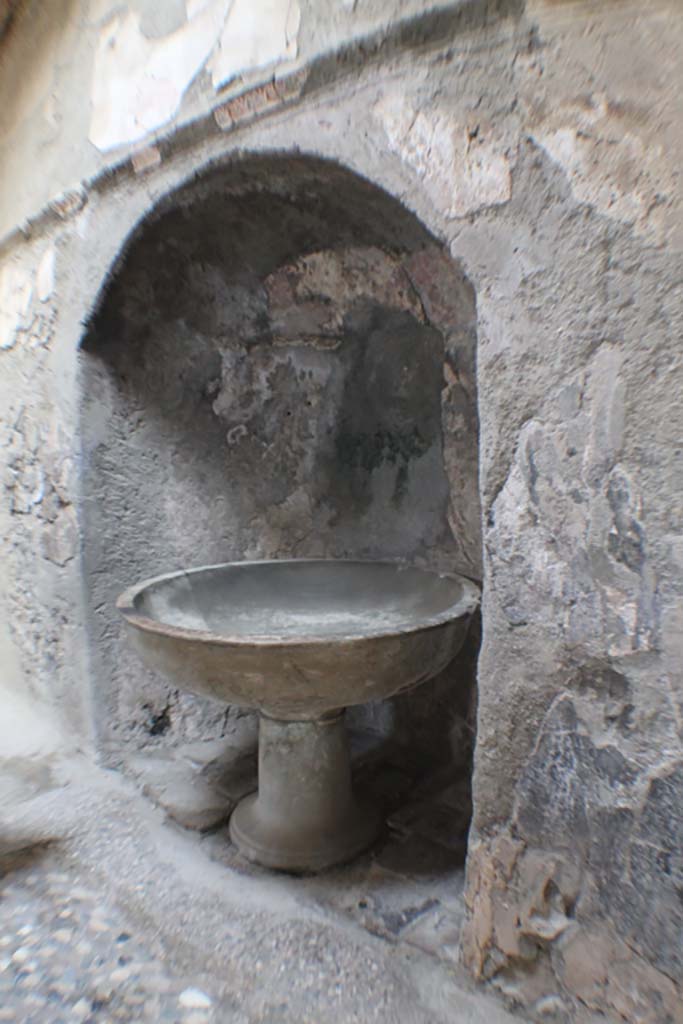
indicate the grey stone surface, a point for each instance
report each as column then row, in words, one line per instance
column 639, row 855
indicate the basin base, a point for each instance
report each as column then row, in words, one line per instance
column 304, row 816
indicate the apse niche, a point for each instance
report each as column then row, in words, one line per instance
column 283, row 365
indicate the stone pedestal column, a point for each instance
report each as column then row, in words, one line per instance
column 304, row 816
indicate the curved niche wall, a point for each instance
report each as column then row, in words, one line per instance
column 282, row 365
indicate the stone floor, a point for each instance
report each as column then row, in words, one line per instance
column 111, row 910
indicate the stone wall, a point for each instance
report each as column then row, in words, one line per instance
column 540, row 143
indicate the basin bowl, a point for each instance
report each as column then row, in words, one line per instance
column 300, row 640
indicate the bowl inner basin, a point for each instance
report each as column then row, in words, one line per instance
column 303, row 599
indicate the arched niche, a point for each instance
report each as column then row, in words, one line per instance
column 282, row 363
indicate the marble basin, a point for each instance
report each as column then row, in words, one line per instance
column 300, row 640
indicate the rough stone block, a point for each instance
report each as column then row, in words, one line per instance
column 146, row 159
column 188, row 797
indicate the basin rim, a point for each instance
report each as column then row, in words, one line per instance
column 125, row 604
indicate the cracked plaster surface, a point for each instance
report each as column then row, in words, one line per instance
column 138, row 82
column 465, row 166
column 257, row 33
column 26, row 286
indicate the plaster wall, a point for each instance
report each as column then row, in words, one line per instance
column 94, row 82
column 541, row 144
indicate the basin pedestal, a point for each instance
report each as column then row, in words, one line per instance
column 299, row 639
column 304, row 816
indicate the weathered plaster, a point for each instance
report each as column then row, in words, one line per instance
column 614, row 132
column 465, row 167
column 138, row 83
column 63, row 75
column 257, row 33
column 15, row 300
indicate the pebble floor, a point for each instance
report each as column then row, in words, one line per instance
column 114, row 913
column 67, row 959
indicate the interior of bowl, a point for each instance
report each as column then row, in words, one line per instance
column 303, row 599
